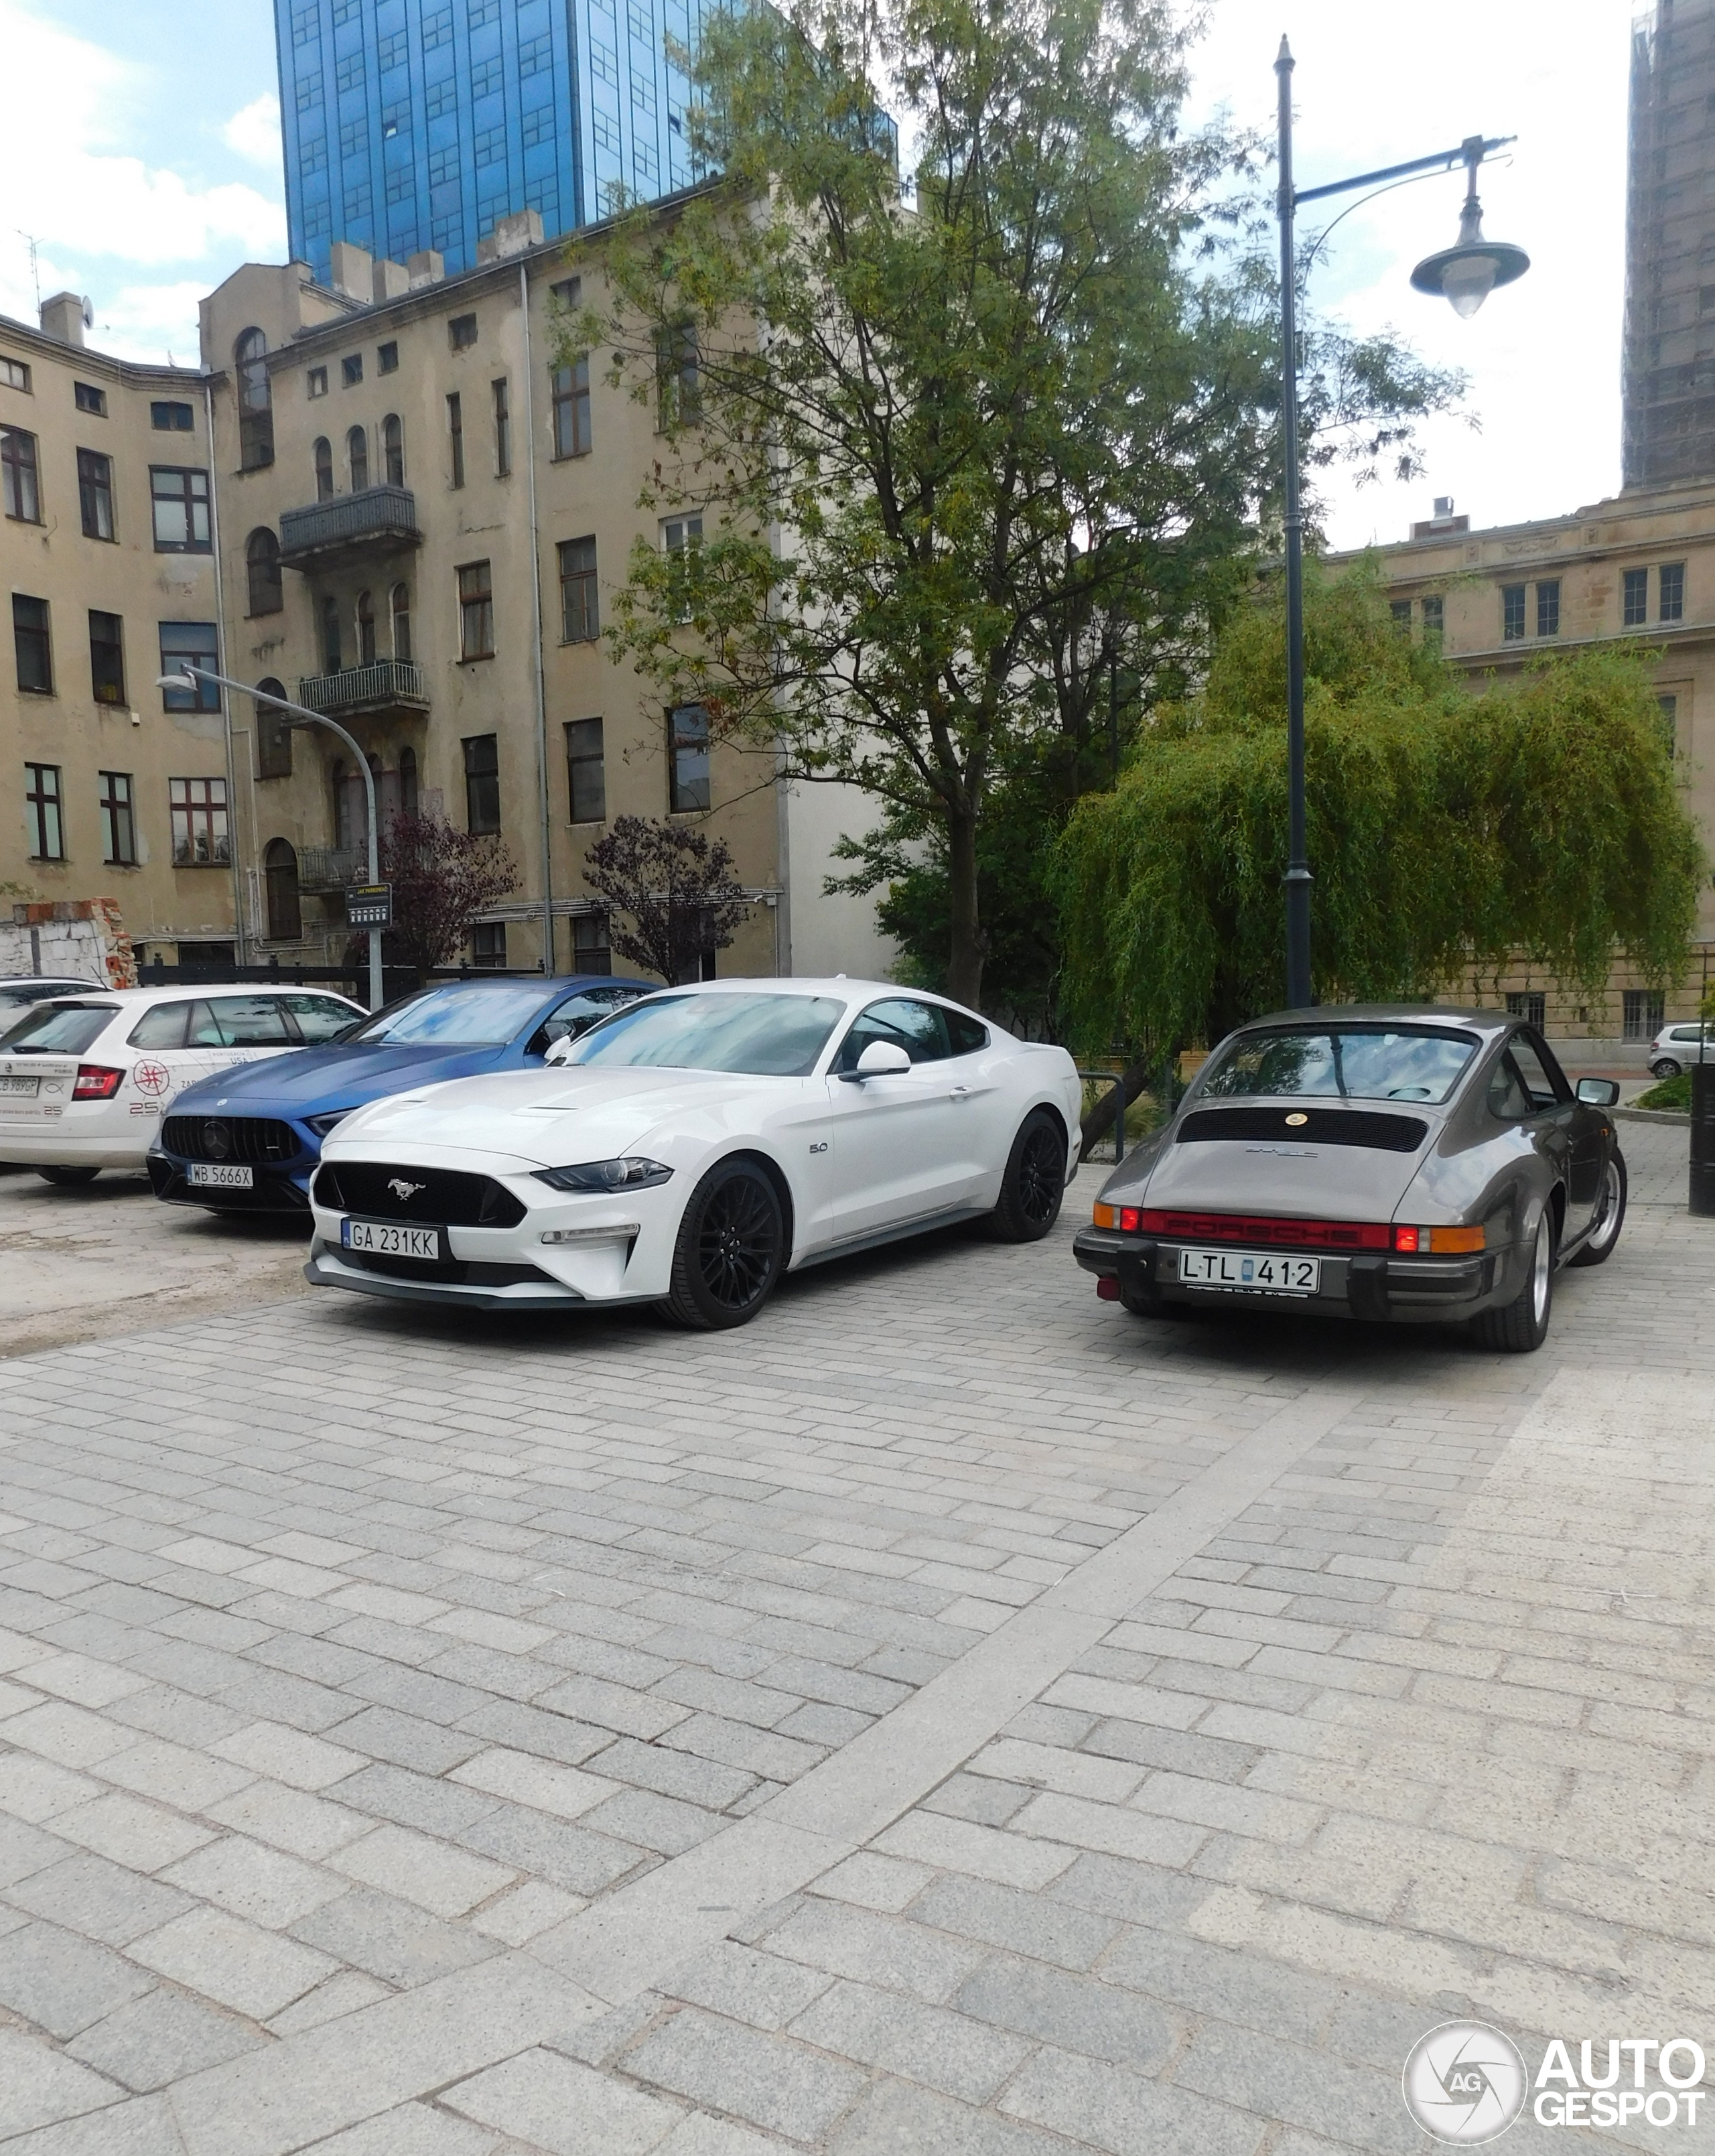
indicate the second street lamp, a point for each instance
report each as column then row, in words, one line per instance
column 300, row 715
column 1464, row 274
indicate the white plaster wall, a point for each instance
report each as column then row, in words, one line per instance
column 829, row 935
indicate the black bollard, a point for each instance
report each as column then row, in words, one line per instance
column 1702, row 1185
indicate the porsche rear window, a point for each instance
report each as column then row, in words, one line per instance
column 762, row 1036
column 58, row 1028
column 1356, row 1063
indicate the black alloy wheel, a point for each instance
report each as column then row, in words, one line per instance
column 1033, row 1183
column 731, row 1250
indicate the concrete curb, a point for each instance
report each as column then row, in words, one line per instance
column 1653, row 1115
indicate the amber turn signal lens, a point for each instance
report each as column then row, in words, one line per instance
column 1441, row 1242
column 1104, row 1215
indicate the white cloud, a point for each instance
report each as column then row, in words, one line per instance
column 254, row 131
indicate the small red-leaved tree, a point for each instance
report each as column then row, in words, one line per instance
column 442, row 880
column 676, row 888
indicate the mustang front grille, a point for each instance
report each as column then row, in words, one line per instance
column 438, row 1194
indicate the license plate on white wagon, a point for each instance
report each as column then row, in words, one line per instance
column 390, row 1238
column 1257, row 1272
column 219, row 1175
column 25, row 1088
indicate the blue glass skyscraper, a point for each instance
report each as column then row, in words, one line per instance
column 413, row 124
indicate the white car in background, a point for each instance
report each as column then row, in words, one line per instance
column 1676, row 1047
column 689, row 1150
column 85, row 1079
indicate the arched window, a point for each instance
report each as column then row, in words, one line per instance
column 330, row 635
column 255, row 402
column 350, row 808
column 262, row 562
column 273, row 736
column 285, row 918
column 365, row 629
column 357, row 456
column 401, row 609
column 392, row 449
column 324, row 469
column 407, row 781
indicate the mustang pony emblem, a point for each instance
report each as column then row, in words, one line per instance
column 403, row 1191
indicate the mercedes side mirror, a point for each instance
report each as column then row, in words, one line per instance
column 1599, row 1092
column 881, row 1059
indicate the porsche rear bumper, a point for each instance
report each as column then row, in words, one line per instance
column 1372, row 1286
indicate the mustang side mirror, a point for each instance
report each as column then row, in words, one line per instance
column 881, row 1059
column 1599, row 1092
column 560, row 1050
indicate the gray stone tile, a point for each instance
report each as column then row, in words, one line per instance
column 97, row 1899
column 768, row 2080
column 63, row 1983
column 1300, row 2086
column 977, row 1797
column 39, row 2086
column 391, row 1939
column 898, row 2118
column 570, row 1857
column 1077, row 2013
column 1110, row 2108
column 764, row 1989
column 875, row 1949
column 160, row 2038
column 405, row 1740
column 1025, row 1923
column 920, row 2043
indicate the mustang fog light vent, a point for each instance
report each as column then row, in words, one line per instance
column 632, row 1173
column 1441, row 1242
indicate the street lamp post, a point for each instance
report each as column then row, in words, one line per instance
column 188, row 677
column 1464, row 274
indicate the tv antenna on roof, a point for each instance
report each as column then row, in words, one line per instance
column 29, row 241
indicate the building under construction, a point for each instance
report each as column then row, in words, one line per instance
column 1669, row 422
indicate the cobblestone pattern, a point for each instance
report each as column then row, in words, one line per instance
column 324, row 1695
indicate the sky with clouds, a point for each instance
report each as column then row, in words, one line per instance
column 145, row 163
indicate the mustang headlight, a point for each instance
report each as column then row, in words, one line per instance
column 632, row 1173
column 322, row 1125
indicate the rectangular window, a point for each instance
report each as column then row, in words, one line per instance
column 89, row 398
column 32, row 645
column 476, row 612
column 391, row 50
column 1668, row 706
column 179, row 498
column 687, row 758
column 568, row 388
column 386, row 359
column 535, row 57
column 579, row 614
column 94, row 491
column 1548, row 607
column 191, row 642
column 680, row 536
column 1644, row 1013
column 305, row 26
column 567, row 293
column 485, row 78
column 318, row 382
column 678, row 378
column 309, row 94
column 587, row 778
column 455, row 434
column 480, row 13
column 312, row 155
column 119, row 831
column 1670, row 592
column 503, row 430
column 591, row 952
column 352, row 369
column 14, row 374
column 538, row 126
column 488, row 943
column 1634, row 609
column 1531, row 1006
column 482, row 784
column 42, row 805
column 351, row 137
column 198, row 807
column 1511, row 613
column 18, row 482
column 461, row 332
column 444, row 165
column 437, row 29
column 1400, row 609
column 106, row 658
column 349, row 74
column 171, row 417
column 1434, row 614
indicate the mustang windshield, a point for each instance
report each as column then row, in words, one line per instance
column 1359, row 1063
column 465, row 1016
column 764, row 1036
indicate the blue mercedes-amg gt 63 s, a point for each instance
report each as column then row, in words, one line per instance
column 248, row 1139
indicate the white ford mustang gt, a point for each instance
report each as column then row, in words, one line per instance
column 693, row 1147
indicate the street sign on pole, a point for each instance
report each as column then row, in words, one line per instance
column 369, row 905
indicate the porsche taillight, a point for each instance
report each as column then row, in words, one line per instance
column 1440, row 1242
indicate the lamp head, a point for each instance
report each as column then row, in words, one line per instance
column 1465, row 275
column 181, row 681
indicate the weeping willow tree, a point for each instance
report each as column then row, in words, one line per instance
column 1450, row 829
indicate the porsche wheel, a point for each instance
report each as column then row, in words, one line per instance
column 1519, row 1327
column 1610, row 1215
column 68, row 1179
column 1033, row 1183
column 731, row 1250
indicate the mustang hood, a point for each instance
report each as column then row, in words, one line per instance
column 310, row 1080
column 553, row 1117
column 1235, row 1160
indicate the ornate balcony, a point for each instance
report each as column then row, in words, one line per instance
column 380, row 520
column 385, row 684
column 331, row 868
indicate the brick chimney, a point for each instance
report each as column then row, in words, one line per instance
column 62, row 319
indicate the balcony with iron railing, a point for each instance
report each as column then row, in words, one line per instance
column 331, row 868
column 379, row 519
column 383, row 684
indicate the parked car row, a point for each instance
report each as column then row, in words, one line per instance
column 537, row 1145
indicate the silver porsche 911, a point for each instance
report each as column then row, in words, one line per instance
column 1389, row 1163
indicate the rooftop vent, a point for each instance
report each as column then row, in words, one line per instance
column 1442, row 521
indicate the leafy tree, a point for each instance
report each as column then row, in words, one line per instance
column 961, row 449
column 1448, row 830
column 676, row 886
column 442, row 880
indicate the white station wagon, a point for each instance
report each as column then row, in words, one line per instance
column 85, row 1079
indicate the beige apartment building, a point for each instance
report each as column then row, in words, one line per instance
column 1641, row 568
column 110, row 789
column 423, row 517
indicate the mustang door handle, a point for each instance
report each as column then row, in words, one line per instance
column 960, row 1093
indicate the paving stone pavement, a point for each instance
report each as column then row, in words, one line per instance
column 948, row 1715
